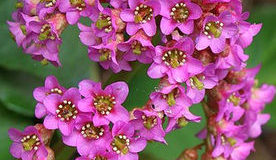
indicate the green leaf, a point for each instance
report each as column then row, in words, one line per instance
column 16, row 91
column 8, row 120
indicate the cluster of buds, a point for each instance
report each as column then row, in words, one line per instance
column 199, row 58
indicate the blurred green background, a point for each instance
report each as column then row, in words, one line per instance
column 19, row 75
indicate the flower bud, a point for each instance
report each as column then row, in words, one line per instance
column 46, row 135
column 188, row 154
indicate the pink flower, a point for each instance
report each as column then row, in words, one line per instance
column 124, row 144
column 179, row 14
column 62, row 111
column 105, row 104
column 74, row 9
column 99, row 153
column 40, row 93
column 108, row 57
column 86, row 135
column 171, row 99
column 141, row 15
column 149, row 125
column 215, row 31
column 176, row 61
column 45, row 8
column 197, row 84
column 138, row 47
column 27, row 144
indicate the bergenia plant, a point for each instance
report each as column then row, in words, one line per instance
column 195, row 49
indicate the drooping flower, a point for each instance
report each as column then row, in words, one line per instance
column 215, row 31
column 179, row 14
column 149, row 125
column 138, row 47
column 46, row 7
column 62, row 111
column 105, row 104
column 27, row 144
column 124, row 143
column 171, row 99
column 141, row 15
column 197, row 84
column 175, row 60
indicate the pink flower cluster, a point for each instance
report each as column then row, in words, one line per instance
column 199, row 58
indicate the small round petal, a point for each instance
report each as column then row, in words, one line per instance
column 16, row 150
column 50, row 122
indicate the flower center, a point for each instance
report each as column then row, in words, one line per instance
column 174, row 58
column 180, row 12
column 105, row 54
column 104, row 104
column 78, row 4
column 104, row 22
column 30, row 142
column 57, row 91
column 120, row 144
column 143, row 13
column 23, row 29
column 49, row 3
column 196, row 83
column 67, row 111
column 45, row 33
column 99, row 157
column 137, row 47
column 171, row 97
column 89, row 131
column 234, row 99
column 213, row 28
column 149, row 122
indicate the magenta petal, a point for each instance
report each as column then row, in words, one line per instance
column 51, row 103
column 27, row 155
column 16, row 150
column 40, row 110
column 195, row 12
column 180, row 74
column 88, row 87
column 217, row 44
column 167, row 26
column 65, row 128
column 202, row 42
column 120, row 91
column 127, row 15
column 42, row 152
column 187, row 27
column 194, row 66
column 118, row 114
column 99, row 120
column 156, row 70
column 51, row 82
column 72, row 139
column 149, row 27
column 132, row 28
column 129, row 156
column 138, row 145
column 39, row 94
column 134, row 3
column 50, row 122
column 85, row 105
column 72, row 94
column 72, row 17
column 15, row 135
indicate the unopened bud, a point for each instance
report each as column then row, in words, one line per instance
column 188, row 154
column 46, row 135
